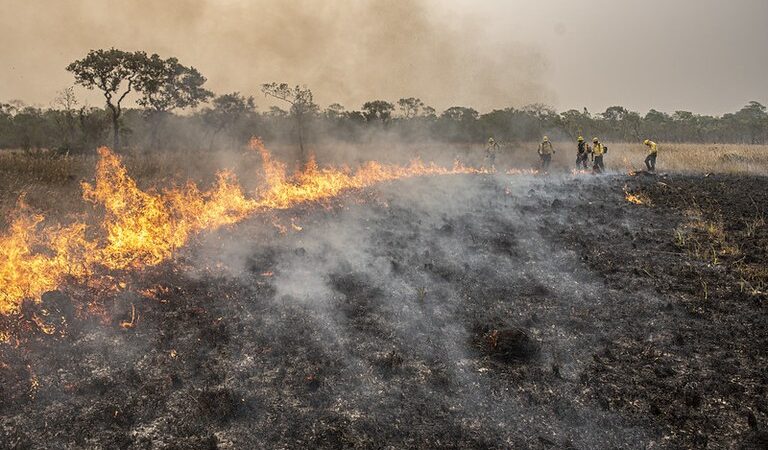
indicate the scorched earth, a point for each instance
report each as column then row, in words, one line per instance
column 464, row 311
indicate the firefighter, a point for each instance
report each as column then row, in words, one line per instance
column 581, row 153
column 490, row 152
column 598, row 150
column 653, row 150
column 545, row 153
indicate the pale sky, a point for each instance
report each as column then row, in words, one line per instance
column 706, row 56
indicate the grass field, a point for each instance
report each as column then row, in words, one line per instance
column 611, row 319
column 51, row 183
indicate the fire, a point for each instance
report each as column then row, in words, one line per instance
column 145, row 228
column 313, row 183
column 25, row 272
column 137, row 228
column 140, row 228
column 637, row 199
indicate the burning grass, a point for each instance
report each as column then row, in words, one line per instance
column 637, row 198
column 135, row 222
column 137, row 228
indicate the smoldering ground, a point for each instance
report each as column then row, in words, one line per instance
column 390, row 304
column 458, row 311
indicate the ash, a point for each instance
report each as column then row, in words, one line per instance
column 436, row 312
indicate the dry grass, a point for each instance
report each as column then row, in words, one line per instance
column 51, row 183
column 623, row 157
column 705, row 239
column 693, row 158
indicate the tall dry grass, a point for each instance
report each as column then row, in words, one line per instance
column 694, row 158
column 51, row 183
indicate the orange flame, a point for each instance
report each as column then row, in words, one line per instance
column 25, row 272
column 637, row 199
column 140, row 228
column 315, row 184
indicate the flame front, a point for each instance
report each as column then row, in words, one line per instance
column 141, row 228
column 28, row 272
column 313, row 183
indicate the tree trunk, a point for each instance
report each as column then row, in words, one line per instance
column 115, row 132
column 156, row 122
column 302, row 153
column 115, row 125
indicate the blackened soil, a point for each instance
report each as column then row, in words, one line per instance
column 456, row 312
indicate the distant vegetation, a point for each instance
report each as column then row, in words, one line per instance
column 164, row 88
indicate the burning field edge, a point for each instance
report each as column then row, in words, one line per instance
column 464, row 311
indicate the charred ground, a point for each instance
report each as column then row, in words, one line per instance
column 462, row 311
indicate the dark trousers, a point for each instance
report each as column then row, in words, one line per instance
column 598, row 165
column 650, row 162
column 545, row 160
column 581, row 160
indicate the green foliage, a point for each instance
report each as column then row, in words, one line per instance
column 164, row 84
column 378, row 110
column 411, row 107
column 226, row 113
column 114, row 72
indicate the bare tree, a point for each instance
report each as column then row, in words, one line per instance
column 302, row 108
column 66, row 120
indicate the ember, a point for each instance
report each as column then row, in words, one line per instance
column 638, row 198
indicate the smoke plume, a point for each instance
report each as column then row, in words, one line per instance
column 347, row 52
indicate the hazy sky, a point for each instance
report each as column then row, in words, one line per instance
column 709, row 56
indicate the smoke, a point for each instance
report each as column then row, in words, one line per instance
column 390, row 291
column 347, row 52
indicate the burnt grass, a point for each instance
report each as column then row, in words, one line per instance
column 455, row 312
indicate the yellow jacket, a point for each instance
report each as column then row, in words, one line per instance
column 598, row 149
column 652, row 147
column 545, row 148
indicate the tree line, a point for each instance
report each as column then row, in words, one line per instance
column 173, row 110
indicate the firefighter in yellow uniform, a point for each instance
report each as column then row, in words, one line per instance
column 490, row 153
column 545, row 153
column 650, row 160
column 598, row 150
column 582, row 150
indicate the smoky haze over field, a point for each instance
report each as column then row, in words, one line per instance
column 346, row 52
column 706, row 56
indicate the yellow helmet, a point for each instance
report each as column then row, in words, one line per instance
column 490, row 140
column 546, row 139
column 595, row 140
column 647, row 142
column 581, row 139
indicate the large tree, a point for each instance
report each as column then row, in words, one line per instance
column 166, row 85
column 227, row 110
column 378, row 110
column 114, row 72
column 302, row 104
column 754, row 119
column 410, row 107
